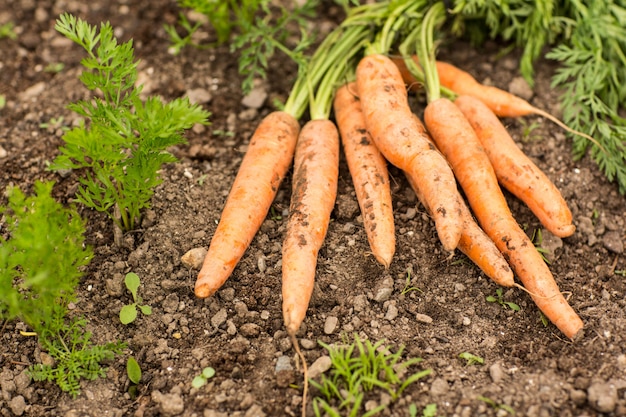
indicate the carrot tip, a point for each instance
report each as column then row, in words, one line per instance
column 565, row 231
column 202, row 291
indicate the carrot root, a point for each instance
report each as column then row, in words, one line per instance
column 368, row 169
column 264, row 165
column 456, row 138
column 403, row 140
column 515, row 171
column 314, row 190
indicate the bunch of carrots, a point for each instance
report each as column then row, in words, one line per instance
column 361, row 74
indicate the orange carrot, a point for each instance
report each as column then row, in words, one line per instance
column 264, row 165
column 403, row 141
column 369, row 174
column 455, row 137
column 314, row 189
column 501, row 102
column 515, row 171
column 477, row 246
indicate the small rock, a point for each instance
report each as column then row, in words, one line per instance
column 227, row 294
column 321, row 365
column 169, row 404
column 383, row 294
column 308, row 344
column 613, row 241
column 439, row 387
column 248, row 114
column 115, row 286
column 392, row 312
column 255, row 98
column 17, row 405
column 496, row 373
column 194, row 258
column 551, row 244
column 199, row 96
column 250, row 329
column 22, row 381
column 214, row 413
column 578, row 397
column 330, row 325
column 219, row 318
column 602, row 396
column 284, row 371
column 255, row 411
column 423, row 318
column 360, row 303
column 170, row 304
column 239, row 344
column 33, row 91
column 3, row 152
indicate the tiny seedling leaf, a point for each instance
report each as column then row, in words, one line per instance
column 198, row 382
column 133, row 370
column 471, row 358
column 132, row 283
column 128, row 314
column 208, row 372
column 146, row 310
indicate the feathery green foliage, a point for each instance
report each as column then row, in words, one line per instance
column 42, row 256
column 125, row 143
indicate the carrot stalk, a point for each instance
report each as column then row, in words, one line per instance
column 369, row 174
column 515, row 171
column 403, row 140
column 264, row 165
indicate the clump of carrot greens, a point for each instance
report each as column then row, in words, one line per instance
column 255, row 29
column 42, row 257
column 125, row 140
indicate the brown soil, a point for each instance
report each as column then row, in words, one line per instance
column 528, row 366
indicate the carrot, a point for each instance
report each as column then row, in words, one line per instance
column 403, row 141
column 477, row 246
column 455, row 137
column 501, row 102
column 314, row 189
column 264, row 165
column 369, row 174
column 515, row 171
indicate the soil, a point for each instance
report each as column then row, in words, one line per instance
column 528, row 366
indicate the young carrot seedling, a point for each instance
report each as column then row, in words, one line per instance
column 124, row 140
column 128, row 313
column 39, row 292
column 201, row 380
column 471, row 359
column 500, row 300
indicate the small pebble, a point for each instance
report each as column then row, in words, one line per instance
column 321, row 365
column 169, row 404
column 194, row 258
column 17, row 405
column 496, row 373
column 423, row 318
column 199, row 96
column 255, row 98
column 219, row 318
column 308, row 344
column 613, row 241
column 284, row 371
column 439, row 387
column 602, row 396
column 392, row 312
column 330, row 325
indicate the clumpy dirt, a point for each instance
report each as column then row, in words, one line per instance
column 528, row 366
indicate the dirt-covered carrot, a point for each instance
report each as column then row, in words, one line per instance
column 477, row 246
column 515, row 171
column 316, row 169
column 455, row 137
column 368, row 169
column 402, row 140
column 264, row 165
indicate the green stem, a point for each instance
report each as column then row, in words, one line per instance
column 398, row 18
column 433, row 18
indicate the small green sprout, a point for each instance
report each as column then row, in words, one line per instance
column 53, row 124
column 54, row 67
column 201, row 380
column 500, row 300
column 3, row 101
column 407, row 285
column 430, row 410
column 359, row 367
column 471, row 359
column 495, row 405
column 133, row 370
column 527, row 131
column 128, row 313
column 537, row 240
column 7, row 30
